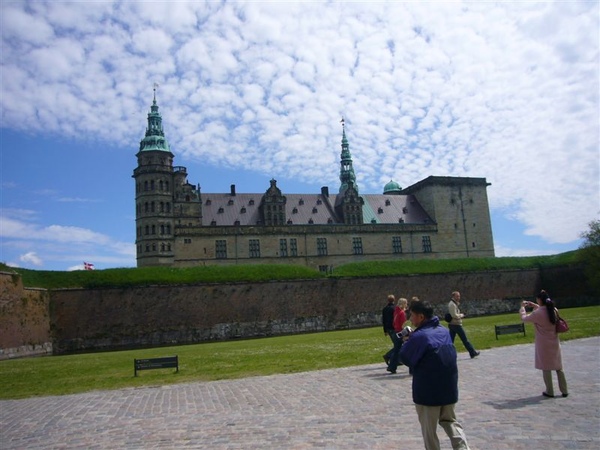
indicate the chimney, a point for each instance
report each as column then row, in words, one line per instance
column 233, row 190
column 325, row 191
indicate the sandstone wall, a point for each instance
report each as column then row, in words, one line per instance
column 36, row 322
column 161, row 315
column 24, row 319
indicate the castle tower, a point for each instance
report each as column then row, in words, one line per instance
column 158, row 186
column 348, row 205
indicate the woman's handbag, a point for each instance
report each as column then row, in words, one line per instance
column 561, row 324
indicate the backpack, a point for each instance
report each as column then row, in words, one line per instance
column 448, row 317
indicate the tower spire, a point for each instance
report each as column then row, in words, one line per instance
column 347, row 176
column 155, row 136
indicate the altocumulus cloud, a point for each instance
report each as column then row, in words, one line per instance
column 506, row 91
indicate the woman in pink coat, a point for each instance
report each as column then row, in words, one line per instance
column 547, row 345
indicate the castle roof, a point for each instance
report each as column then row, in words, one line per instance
column 227, row 209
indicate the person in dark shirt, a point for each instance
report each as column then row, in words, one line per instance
column 387, row 320
column 431, row 357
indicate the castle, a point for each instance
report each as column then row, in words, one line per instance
column 179, row 226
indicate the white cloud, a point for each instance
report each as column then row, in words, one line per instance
column 31, row 258
column 506, row 91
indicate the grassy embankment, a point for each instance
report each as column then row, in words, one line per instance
column 124, row 277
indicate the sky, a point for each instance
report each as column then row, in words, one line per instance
column 250, row 91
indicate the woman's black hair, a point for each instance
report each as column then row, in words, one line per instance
column 547, row 301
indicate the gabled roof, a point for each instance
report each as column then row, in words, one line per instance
column 243, row 209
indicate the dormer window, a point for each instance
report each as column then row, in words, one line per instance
column 405, row 210
column 314, row 210
column 251, row 202
column 330, row 220
column 208, row 201
column 213, row 223
column 236, row 223
column 301, row 202
column 387, row 203
column 380, row 210
column 311, row 221
column 230, row 202
column 243, row 210
column 221, row 210
column 319, row 201
column 295, row 210
column 289, row 222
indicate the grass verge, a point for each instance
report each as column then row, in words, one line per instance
column 60, row 375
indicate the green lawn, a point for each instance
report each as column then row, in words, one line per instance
column 59, row 375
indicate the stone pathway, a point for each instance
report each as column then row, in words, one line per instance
column 362, row 407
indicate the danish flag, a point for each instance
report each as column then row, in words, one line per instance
column 88, row 266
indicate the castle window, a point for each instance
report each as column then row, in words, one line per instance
column 153, row 229
column 146, row 206
column 396, row 244
column 168, row 228
column 168, row 207
column 254, row 248
column 167, row 186
column 426, row 241
column 152, row 185
column 153, row 247
column 147, row 230
column 357, row 246
column 162, row 229
column 162, row 247
column 293, row 247
column 322, row 246
column 473, row 244
column 160, row 185
column 145, row 185
column 147, row 247
column 162, row 206
column 221, row 249
column 283, row 249
column 152, row 207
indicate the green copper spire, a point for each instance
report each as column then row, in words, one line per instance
column 155, row 136
column 347, row 175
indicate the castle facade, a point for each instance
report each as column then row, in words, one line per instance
column 179, row 226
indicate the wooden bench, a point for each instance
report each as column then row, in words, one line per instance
column 155, row 363
column 508, row 329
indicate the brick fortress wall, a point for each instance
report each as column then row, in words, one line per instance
column 103, row 319
column 152, row 316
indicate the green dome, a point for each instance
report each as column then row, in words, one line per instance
column 392, row 188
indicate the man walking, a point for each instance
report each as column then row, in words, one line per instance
column 431, row 357
column 387, row 320
column 455, row 325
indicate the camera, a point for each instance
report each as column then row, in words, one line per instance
column 405, row 332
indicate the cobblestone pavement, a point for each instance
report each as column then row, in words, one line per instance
column 363, row 407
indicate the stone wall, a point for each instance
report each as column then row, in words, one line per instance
column 24, row 319
column 34, row 321
column 160, row 315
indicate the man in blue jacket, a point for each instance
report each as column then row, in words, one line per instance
column 431, row 358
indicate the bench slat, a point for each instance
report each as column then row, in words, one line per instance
column 155, row 363
column 508, row 329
